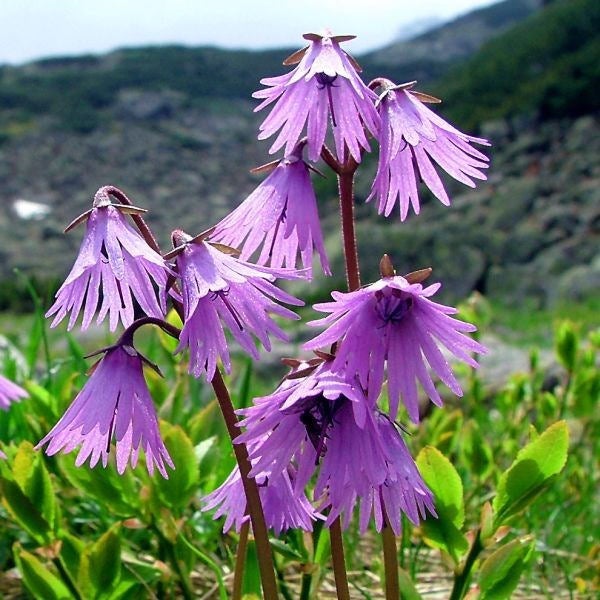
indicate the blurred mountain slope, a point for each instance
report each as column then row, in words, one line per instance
column 174, row 128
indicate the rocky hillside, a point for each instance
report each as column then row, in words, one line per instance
column 174, row 128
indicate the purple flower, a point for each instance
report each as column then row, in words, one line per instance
column 220, row 291
column 115, row 402
column 320, row 420
column 9, row 392
column 394, row 322
column 411, row 137
column 370, row 466
column 281, row 216
column 114, row 266
column 325, row 82
column 283, row 506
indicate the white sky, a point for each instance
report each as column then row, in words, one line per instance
column 31, row 29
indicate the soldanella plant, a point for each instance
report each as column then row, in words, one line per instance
column 328, row 448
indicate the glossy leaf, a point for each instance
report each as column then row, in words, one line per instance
column 539, row 461
column 443, row 480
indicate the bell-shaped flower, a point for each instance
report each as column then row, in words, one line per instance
column 10, row 392
column 319, row 421
column 284, row 507
column 221, row 291
column 411, row 139
column 324, row 84
column 114, row 266
column 280, row 217
column 114, row 403
column 392, row 327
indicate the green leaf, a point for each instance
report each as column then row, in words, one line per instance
column 476, row 450
column 71, row 550
column 177, row 491
column 32, row 477
column 567, row 344
column 408, row 591
column 284, row 549
column 105, row 561
column 251, row 586
column 446, row 486
column 501, row 571
column 24, row 512
column 536, row 463
column 41, row 582
column 105, row 485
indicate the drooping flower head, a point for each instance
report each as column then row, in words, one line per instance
column 281, row 216
column 320, row 421
column 221, row 291
column 10, row 392
column 325, row 83
column 114, row 266
column 411, row 139
column 393, row 328
column 284, row 507
column 114, row 403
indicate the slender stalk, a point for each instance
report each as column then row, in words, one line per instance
column 346, row 188
column 461, row 581
column 390, row 562
column 259, row 527
column 338, row 560
column 240, row 562
column 210, row 563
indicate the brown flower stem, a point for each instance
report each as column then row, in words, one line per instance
column 346, row 190
column 345, row 174
column 259, row 527
column 338, row 560
column 240, row 562
column 390, row 563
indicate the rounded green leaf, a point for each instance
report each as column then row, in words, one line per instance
column 539, row 461
column 444, row 482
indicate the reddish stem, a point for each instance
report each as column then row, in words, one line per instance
column 259, row 527
column 338, row 560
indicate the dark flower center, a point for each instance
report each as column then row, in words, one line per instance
column 318, row 418
column 327, row 81
column 393, row 307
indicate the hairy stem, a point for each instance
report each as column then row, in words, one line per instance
column 338, row 560
column 259, row 527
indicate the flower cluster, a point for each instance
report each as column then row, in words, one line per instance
column 326, row 413
column 323, row 445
